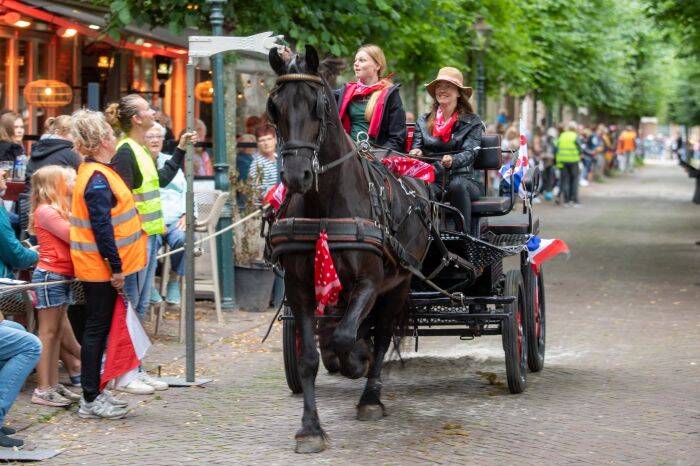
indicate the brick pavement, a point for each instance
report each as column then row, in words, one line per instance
column 620, row 383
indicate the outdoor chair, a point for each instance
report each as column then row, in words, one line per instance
column 208, row 205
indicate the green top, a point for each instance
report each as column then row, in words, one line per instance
column 356, row 111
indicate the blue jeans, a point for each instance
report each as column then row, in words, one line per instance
column 19, row 353
column 137, row 286
column 175, row 239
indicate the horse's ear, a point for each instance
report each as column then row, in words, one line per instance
column 276, row 62
column 311, row 59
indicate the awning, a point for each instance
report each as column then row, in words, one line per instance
column 62, row 14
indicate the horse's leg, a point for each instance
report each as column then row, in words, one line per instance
column 310, row 438
column 325, row 343
column 370, row 407
column 353, row 358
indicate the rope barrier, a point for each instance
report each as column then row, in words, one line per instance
column 215, row 234
column 10, row 289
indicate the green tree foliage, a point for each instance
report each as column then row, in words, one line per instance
column 607, row 55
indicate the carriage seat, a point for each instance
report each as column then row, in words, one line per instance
column 489, row 158
column 490, row 206
column 512, row 224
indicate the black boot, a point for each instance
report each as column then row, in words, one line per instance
column 9, row 442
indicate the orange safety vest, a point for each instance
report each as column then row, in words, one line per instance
column 88, row 263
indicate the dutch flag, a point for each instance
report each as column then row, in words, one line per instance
column 541, row 250
column 516, row 173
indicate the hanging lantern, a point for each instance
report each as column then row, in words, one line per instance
column 204, row 92
column 48, row 93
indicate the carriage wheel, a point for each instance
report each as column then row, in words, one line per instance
column 535, row 328
column 513, row 332
column 291, row 349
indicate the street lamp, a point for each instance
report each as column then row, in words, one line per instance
column 221, row 180
column 483, row 32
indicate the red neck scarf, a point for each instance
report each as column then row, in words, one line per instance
column 357, row 89
column 442, row 128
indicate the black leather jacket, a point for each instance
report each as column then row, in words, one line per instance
column 466, row 136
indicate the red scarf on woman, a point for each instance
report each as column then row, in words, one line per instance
column 442, row 128
column 357, row 89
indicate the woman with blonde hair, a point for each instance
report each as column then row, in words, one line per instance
column 48, row 220
column 107, row 243
column 372, row 104
column 132, row 117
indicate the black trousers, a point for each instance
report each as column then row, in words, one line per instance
column 569, row 181
column 100, row 298
column 461, row 191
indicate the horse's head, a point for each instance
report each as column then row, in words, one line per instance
column 300, row 107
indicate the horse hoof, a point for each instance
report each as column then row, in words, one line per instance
column 370, row 412
column 313, row 444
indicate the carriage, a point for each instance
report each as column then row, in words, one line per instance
column 463, row 289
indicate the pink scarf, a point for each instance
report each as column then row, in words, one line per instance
column 442, row 128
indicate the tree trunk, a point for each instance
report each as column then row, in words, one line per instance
column 230, row 104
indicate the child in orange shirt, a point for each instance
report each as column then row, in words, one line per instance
column 49, row 221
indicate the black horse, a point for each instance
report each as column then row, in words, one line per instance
column 329, row 179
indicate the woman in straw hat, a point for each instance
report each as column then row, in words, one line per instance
column 372, row 104
column 452, row 126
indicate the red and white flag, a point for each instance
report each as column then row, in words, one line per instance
column 275, row 196
column 541, row 250
column 326, row 279
column 126, row 346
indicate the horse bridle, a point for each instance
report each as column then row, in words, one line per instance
column 289, row 148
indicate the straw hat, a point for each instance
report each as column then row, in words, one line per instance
column 452, row 76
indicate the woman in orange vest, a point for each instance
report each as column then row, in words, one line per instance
column 107, row 243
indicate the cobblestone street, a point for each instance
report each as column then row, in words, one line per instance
column 621, row 382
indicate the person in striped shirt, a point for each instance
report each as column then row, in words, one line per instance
column 263, row 171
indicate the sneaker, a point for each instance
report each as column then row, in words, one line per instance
column 67, row 394
column 75, row 380
column 113, row 400
column 583, row 183
column 148, row 380
column 7, row 430
column 173, row 292
column 50, row 398
column 136, row 387
column 100, row 408
column 576, row 205
column 155, row 296
column 9, row 442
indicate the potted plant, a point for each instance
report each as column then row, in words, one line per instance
column 253, row 277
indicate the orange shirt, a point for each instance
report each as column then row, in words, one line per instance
column 625, row 143
column 52, row 233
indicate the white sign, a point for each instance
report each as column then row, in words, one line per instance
column 206, row 46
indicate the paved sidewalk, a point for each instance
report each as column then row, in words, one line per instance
column 621, row 382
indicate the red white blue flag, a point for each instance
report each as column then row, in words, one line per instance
column 515, row 173
column 541, row 250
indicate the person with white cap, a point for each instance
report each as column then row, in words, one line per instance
column 452, row 126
